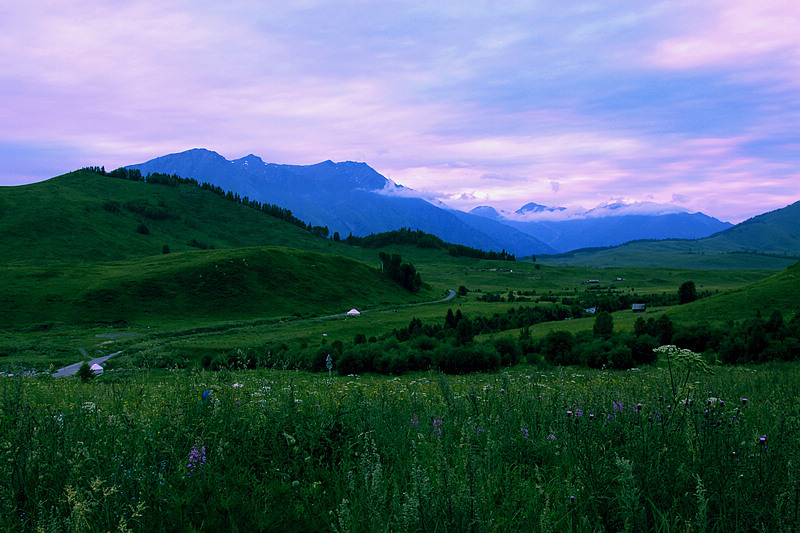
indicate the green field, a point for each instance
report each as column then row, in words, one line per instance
column 531, row 449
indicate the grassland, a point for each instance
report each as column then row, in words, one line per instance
column 532, row 449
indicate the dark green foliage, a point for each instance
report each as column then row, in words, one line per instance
column 603, row 325
column 165, row 249
column 462, row 290
column 465, row 359
column 465, row 333
column 450, row 320
column 142, row 229
column 147, row 210
column 403, row 273
column 557, row 348
column 687, row 292
column 424, row 241
column 509, row 350
column 85, row 372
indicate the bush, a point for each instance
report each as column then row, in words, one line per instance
column 557, row 348
column 85, row 372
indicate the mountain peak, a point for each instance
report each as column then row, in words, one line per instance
column 249, row 161
column 486, row 211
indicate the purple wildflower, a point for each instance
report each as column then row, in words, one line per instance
column 437, row 427
column 415, row 422
column 551, row 437
column 524, row 432
column 197, row 459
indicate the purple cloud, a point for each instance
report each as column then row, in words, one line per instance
column 692, row 104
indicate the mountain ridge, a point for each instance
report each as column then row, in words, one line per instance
column 353, row 198
column 348, row 197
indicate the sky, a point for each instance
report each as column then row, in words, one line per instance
column 468, row 102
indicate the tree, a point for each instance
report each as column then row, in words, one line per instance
column 557, row 348
column 603, row 325
column 85, row 372
column 687, row 292
column 464, row 332
column 449, row 320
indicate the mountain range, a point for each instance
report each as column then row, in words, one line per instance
column 353, row 198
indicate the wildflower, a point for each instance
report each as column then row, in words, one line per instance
column 763, row 439
column 415, row 422
column 744, row 401
column 206, row 396
column 638, row 407
column 437, row 427
column 551, row 437
column 197, row 459
column 524, row 432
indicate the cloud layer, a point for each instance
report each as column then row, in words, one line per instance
column 471, row 103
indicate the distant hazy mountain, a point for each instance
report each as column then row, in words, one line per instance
column 346, row 197
column 608, row 225
column 768, row 241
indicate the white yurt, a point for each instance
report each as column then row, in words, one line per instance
column 353, row 312
column 97, row 369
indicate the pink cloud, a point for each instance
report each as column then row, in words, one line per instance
column 725, row 33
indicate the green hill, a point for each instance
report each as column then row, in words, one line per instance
column 86, row 248
column 199, row 286
column 779, row 291
column 84, row 216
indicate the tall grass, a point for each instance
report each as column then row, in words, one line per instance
column 531, row 450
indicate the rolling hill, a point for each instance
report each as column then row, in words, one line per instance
column 200, row 287
column 780, row 291
column 88, row 247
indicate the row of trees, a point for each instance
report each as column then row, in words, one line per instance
column 403, row 273
column 451, row 347
column 423, row 240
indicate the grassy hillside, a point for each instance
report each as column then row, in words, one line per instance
column 84, row 247
column 779, row 291
column 83, row 216
column 699, row 255
column 197, row 287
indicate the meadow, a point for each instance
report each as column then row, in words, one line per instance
column 664, row 448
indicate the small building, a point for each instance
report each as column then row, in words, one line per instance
column 638, row 308
column 97, row 369
column 353, row 312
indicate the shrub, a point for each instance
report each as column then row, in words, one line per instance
column 85, row 372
